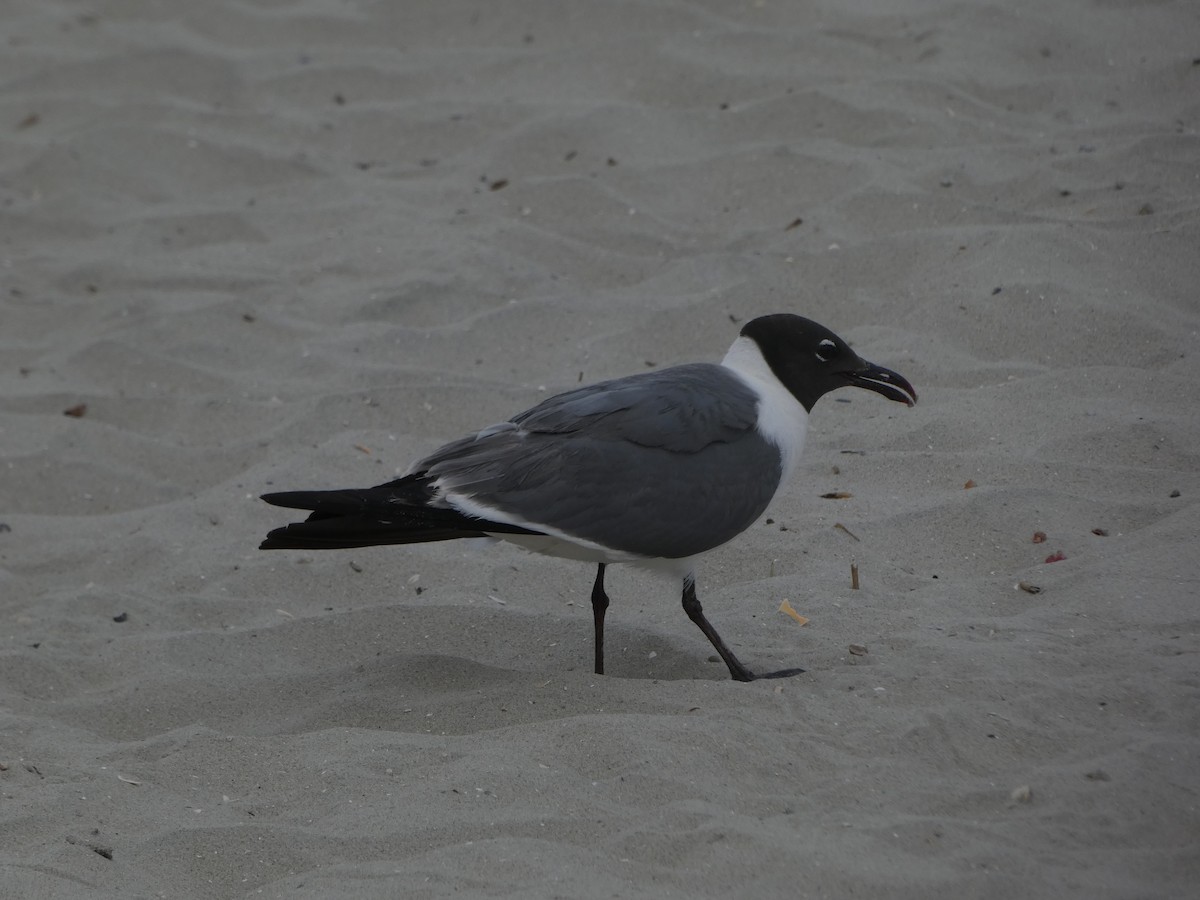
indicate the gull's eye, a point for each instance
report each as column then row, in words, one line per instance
column 826, row 350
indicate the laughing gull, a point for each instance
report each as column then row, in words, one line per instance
column 654, row 469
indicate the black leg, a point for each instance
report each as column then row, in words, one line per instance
column 599, row 605
column 691, row 606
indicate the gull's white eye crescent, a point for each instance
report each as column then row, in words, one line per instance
column 826, row 350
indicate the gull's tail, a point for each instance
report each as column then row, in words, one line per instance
column 394, row 513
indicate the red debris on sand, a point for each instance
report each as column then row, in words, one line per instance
column 1056, row 556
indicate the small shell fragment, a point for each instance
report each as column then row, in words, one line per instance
column 858, row 650
column 1022, row 794
column 1029, row 588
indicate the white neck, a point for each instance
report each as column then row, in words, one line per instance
column 781, row 418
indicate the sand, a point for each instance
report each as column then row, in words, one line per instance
column 270, row 245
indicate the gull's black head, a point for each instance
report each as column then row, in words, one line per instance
column 810, row 361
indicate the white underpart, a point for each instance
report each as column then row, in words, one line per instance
column 782, row 419
column 553, row 541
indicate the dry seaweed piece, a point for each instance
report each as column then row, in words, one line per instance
column 846, row 531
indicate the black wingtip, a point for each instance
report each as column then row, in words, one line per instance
column 282, row 539
column 321, row 503
column 289, row 499
column 272, row 542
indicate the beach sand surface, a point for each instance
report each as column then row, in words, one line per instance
column 250, row 246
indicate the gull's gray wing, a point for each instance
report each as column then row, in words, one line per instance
column 682, row 409
column 662, row 464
